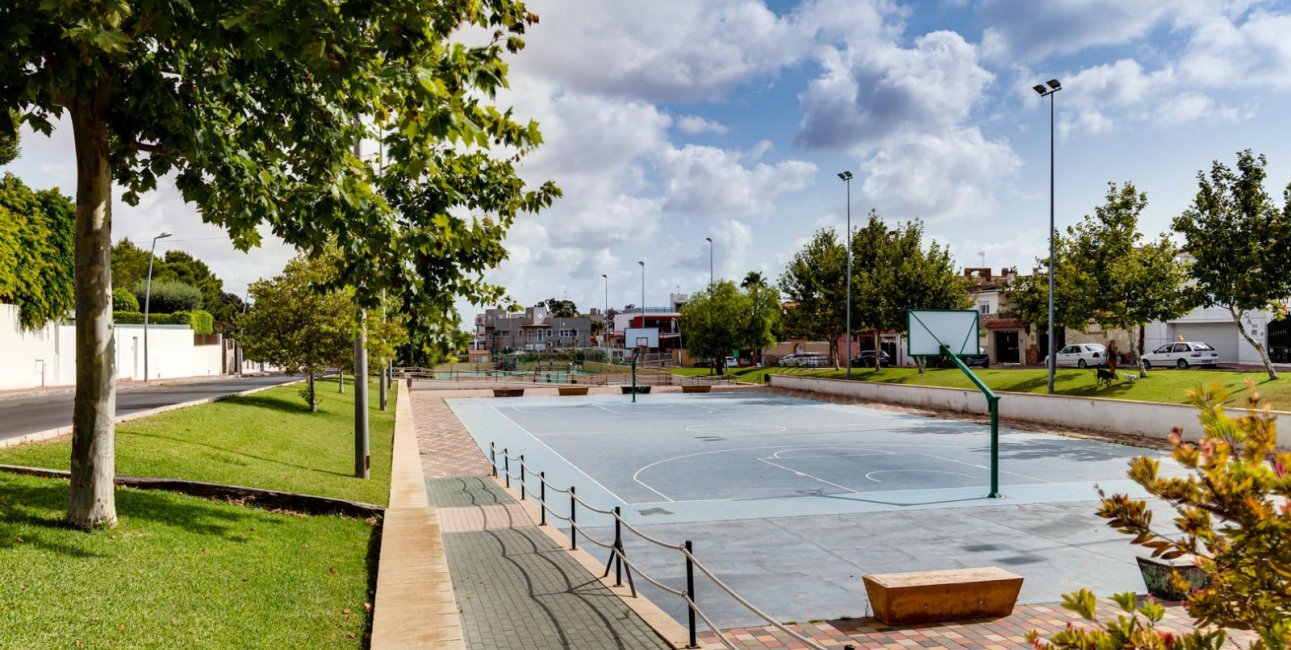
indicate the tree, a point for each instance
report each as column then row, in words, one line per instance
column 35, row 252
column 722, row 317
column 560, row 307
column 255, row 109
column 1238, row 242
column 893, row 272
column 1026, row 297
column 1129, row 283
column 1234, row 520
column 296, row 326
column 9, row 137
column 753, row 279
column 815, row 283
column 167, row 296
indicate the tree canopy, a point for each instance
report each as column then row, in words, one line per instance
column 814, row 282
column 36, row 242
column 722, row 318
column 1238, row 242
column 560, row 307
column 255, row 109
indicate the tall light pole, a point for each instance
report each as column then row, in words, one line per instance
column 847, row 178
column 642, row 263
column 608, row 325
column 147, row 301
column 1047, row 89
column 710, row 260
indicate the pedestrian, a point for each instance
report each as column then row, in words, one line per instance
column 1112, row 355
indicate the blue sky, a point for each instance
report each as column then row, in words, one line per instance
column 674, row 120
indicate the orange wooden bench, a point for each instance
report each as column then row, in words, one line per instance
column 946, row 595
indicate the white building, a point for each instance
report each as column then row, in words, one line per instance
column 1214, row 325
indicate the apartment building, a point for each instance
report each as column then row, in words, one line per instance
column 533, row 330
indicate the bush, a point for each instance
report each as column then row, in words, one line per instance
column 127, row 317
column 168, row 297
column 123, row 300
column 1234, row 520
column 202, row 322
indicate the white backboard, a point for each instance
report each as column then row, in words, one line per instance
column 929, row 329
column 632, row 337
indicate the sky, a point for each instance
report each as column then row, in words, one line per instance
column 671, row 121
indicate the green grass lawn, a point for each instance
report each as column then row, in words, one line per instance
column 177, row 571
column 1159, row 386
column 266, row 440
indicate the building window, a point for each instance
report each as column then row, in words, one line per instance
column 984, row 307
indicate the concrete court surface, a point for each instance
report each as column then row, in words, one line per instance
column 790, row 501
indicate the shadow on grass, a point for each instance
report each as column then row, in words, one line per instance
column 373, row 561
column 235, row 452
column 285, row 405
column 39, row 504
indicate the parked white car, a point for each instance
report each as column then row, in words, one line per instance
column 790, row 360
column 1181, row 355
column 1080, row 355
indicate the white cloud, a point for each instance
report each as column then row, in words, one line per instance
column 708, row 180
column 865, row 93
column 693, row 124
column 938, row 176
column 1029, row 31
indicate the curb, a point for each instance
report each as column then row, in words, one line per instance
column 60, row 431
column 270, row 498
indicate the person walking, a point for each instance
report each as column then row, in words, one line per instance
column 1113, row 355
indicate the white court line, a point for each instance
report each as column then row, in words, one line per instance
column 777, row 455
column 636, row 476
column 576, row 468
column 849, row 490
column 870, row 475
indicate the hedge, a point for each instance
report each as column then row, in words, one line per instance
column 200, row 321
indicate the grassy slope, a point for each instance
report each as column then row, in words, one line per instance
column 176, row 571
column 1159, row 386
column 266, row 440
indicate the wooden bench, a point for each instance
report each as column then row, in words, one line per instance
column 696, row 388
column 508, row 392
column 947, row 595
column 572, row 390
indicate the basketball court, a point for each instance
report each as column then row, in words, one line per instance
column 792, row 500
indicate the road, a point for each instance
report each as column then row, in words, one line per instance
column 42, row 412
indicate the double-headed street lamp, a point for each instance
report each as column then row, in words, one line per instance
column 147, row 301
column 847, row 178
column 1048, row 89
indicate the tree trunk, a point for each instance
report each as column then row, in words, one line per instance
column 92, row 500
column 1138, row 358
column 313, row 397
column 1259, row 347
column 341, row 376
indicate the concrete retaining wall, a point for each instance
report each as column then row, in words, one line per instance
column 1149, row 419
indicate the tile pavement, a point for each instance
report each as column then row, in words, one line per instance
column 514, row 586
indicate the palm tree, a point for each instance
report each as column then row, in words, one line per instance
column 753, row 279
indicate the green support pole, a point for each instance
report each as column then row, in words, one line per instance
column 634, row 379
column 993, row 402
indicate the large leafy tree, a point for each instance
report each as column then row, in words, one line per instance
column 560, row 307
column 1129, row 282
column 256, row 109
column 723, row 317
column 35, row 252
column 1026, row 297
column 815, row 283
column 296, row 325
column 1239, row 242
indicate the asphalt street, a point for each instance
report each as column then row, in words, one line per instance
column 45, row 411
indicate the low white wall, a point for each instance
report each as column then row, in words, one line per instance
column 27, row 359
column 1097, row 414
column 207, row 360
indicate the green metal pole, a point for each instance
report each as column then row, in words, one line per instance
column 992, row 402
column 634, row 378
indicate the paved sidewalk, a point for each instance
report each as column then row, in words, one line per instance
column 514, row 586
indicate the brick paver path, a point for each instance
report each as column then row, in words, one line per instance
column 516, row 588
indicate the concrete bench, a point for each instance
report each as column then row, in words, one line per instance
column 947, row 595
column 572, row 390
column 696, row 388
column 640, row 390
column 508, row 392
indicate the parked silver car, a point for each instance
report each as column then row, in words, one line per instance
column 1181, row 355
column 1080, row 355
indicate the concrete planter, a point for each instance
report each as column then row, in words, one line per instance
column 1157, row 573
column 508, row 392
column 696, row 388
column 572, row 390
column 639, row 390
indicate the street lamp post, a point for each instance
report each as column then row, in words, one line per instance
column 1048, row 89
column 847, row 178
column 605, row 331
column 147, row 301
column 642, row 263
column 710, row 260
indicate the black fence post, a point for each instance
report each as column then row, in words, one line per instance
column 506, row 465
column 618, row 548
column 493, row 458
column 522, row 477
column 573, row 521
column 542, row 496
column 690, row 593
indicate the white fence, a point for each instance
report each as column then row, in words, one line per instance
column 1149, row 419
column 47, row 357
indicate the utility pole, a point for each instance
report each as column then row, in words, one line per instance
column 361, row 458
